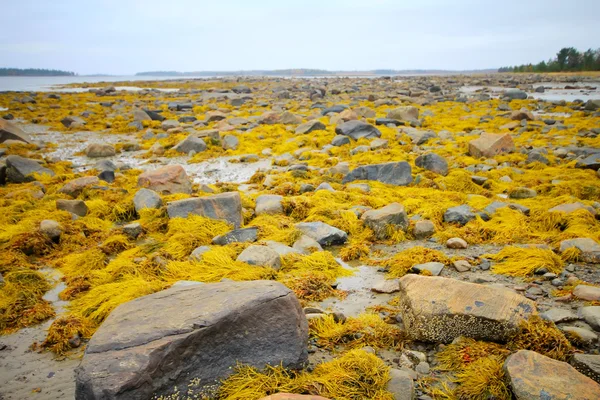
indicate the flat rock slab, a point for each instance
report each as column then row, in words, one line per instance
column 437, row 309
column 587, row 364
column 533, row 376
column 224, row 206
column 153, row 343
column 393, row 173
column 10, row 131
column 490, row 145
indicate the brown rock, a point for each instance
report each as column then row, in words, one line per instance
column 488, row 145
column 437, row 309
column 10, row 131
column 75, row 187
column 97, row 150
column 534, row 376
column 456, row 243
column 77, row 207
column 523, row 113
column 167, row 180
column 588, row 293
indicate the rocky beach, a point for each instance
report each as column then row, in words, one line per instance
column 287, row 238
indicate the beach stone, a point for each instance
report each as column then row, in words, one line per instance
column 324, row 234
column 590, row 250
column 379, row 220
column 269, row 204
column 587, row 364
column 169, row 179
column 393, row 173
column 386, row 286
column 289, row 118
column 72, row 121
column 586, row 292
column 10, row 131
column 96, row 150
column 190, row 143
column 418, row 136
column 169, row 124
column 377, row 144
column 522, row 114
column 306, row 245
column 489, row 145
column 436, row 309
column 76, row 186
column 237, row 236
column 77, row 207
column 461, row 265
column 133, row 230
column 423, row 229
column 154, row 115
column 146, row 198
column 456, row 243
column 149, row 345
column 224, row 206
column 310, row 126
column 51, row 229
column 365, row 112
column 340, row 140
column 401, row 385
column 434, row 267
column 261, row 256
column 578, row 334
column 230, row 142
column 459, row 215
column 325, row 186
column 406, row 113
column 197, row 253
column 433, row 162
column 515, row 94
column 522, row 193
column 107, row 176
column 558, row 315
column 590, row 162
column 280, row 248
column 534, row 376
column 20, row 169
column 140, row 115
column 591, row 315
column 568, row 208
column 357, row 129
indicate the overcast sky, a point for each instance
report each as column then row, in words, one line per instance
column 128, row 36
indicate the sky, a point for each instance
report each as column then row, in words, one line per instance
column 123, row 37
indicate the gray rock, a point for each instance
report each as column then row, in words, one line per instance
column 386, row 286
column 459, row 214
column 280, row 248
column 153, row 343
column 406, row 113
column 77, row 207
column 591, row 315
column 580, row 335
column 237, row 236
column 433, row 162
column 379, row 220
column 325, row 186
column 393, row 173
column 198, row 252
column 515, row 94
column 269, row 204
column 20, row 169
column 423, row 229
column 357, row 129
column 190, row 143
column 324, row 234
column 10, row 131
column 360, row 149
column 146, row 198
column 401, row 385
column 74, row 187
column 306, row 245
column 51, row 229
column 107, row 176
column 522, row 193
column 558, row 315
column 169, row 124
column 587, row 292
column 132, row 230
column 310, row 126
column 230, row 142
column 224, row 206
column 340, row 140
column 434, row 267
column 590, row 162
column 260, row 255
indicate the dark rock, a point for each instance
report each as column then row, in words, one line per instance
column 323, row 233
column 77, row 207
column 459, row 214
column 310, row 126
column 10, row 131
column 394, row 173
column 433, row 162
column 153, row 343
column 20, row 169
column 357, row 129
column 224, row 206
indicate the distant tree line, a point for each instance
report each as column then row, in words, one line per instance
column 568, row 59
column 34, row 72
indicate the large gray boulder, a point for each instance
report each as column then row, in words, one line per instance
column 10, row 131
column 20, row 169
column 436, row 309
column 322, row 233
column 224, row 206
column 357, row 129
column 393, row 173
column 153, row 343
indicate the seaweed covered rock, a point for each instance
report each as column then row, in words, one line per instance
column 224, row 206
column 168, row 179
column 534, row 376
column 439, row 309
column 20, row 169
column 381, row 220
column 323, row 233
column 357, row 129
column 489, row 145
column 393, row 173
column 155, row 342
column 10, row 131
column 588, row 248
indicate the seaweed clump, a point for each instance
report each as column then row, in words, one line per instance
column 543, row 337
